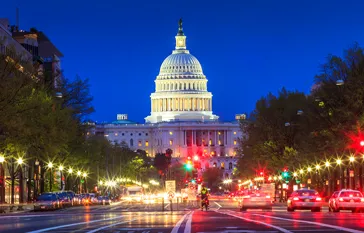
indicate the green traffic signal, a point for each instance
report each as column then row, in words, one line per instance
column 188, row 166
column 285, row 174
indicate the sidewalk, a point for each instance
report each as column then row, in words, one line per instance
column 16, row 208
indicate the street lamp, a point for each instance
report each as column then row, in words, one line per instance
column 309, row 169
column 50, row 166
column 338, row 161
column 301, row 171
column 327, row 164
column 61, row 175
column 351, row 159
column 20, row 162
column 2, row 159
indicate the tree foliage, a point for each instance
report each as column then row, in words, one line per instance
column 291, row 128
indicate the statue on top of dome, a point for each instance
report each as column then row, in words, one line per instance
column 180, row 29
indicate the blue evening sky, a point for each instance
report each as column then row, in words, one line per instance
column 246, row 48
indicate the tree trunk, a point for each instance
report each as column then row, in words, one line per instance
column 41, row 177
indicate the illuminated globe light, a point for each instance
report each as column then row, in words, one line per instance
column 2, row 159
column 275, row 178
column 327, row 164
column 295, row 174
column 309, row 169
column 79, row 173
column 301, row 171
column 20, row 161
column 70, row 170
column 50, row 165
column 188, row 166
column 101, row 183
column 317, row 167
column 361, row 143
column 84, row 174
column 61, row 168
column 279, row 177
column 195, row 157
column 351, row 159
column 338, row 161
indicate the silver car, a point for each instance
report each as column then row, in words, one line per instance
column 47, row 201
column 346, row 199
column 255, row 201
column 304, row 199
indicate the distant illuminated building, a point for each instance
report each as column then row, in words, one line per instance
column 181, row 117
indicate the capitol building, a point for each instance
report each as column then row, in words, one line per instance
column 181, row 117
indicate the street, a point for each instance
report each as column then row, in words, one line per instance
column 222, row 217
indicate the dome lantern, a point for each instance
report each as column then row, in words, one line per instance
column 180, row 37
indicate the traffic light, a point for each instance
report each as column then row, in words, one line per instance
column 193, row 181
column 261, row 173
column 285, row 174
column 199, row 180
column 188, row 166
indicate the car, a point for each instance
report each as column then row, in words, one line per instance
column 47, row 201
column 104, row 200
column 255, row 201
column 346, row 199
column 304, row 199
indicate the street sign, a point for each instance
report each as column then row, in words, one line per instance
column 170, row 186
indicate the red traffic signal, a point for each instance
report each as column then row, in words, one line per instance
column 199, row 180
column 261, row 173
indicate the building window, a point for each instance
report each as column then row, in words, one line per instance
column 219, row 142
column 122, row 134
column 214, row 165
column 146, row 134
column 222, row 165
column 234, row 142
column 234, row 132
column 140, row 134
column 131, row 134
column 219, row 132
column 116, row 134
column 131, row 142
column 140, row 143
column 170, row 133
column 210, row 142
column 230, row 166
column 147, row 152
column 146, row 143
column 170, row 142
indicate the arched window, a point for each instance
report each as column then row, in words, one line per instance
column 222, row 165
column 185, row 87
column 227, row 175
column 214, row 165
column 230, row 166
column 131, row 142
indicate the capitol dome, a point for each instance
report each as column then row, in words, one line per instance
column 181, row 63
column 181, row 88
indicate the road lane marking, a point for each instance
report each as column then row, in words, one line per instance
column 314, row 223
column 110, row 225
column 166, row 206
column 188, row 224
column 175, row 228
column 259, row 222
column 73, row 224
column 217, row 205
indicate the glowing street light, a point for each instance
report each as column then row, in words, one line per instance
column 20, row 161
column 301, row 171
column 79, row 173
column 50, row 165
column 327, row 164
column 338, row 161
column 317, row 167
column 309, row 169
column 61, row 168
column 351, row 159
column 70, row 171
column 84, row 175
column 101, row 183
column 2, row 159
column 295, row 174
column 361, row 143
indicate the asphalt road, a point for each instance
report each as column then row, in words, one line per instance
column 222, row 217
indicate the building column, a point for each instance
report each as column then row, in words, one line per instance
column 210, row 104
column 208, row 137
column 184, row 138
column 216, row 140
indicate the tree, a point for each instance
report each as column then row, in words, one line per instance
column 212, row 176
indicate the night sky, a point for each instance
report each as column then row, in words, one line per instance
column 246, row 48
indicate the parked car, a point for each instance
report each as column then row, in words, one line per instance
column 304, row 199
column 47, row 201
column 104, row 200
column 346, row 199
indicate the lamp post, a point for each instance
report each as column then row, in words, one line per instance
column 20, row 162
column 338, row 162
column 84, row 175
column 2, row 180
column 70, row 171
column 61, row 175
column 50, row 166
column 79, row 181
column 36, row 181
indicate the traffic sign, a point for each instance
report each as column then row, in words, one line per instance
column 170, row 186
